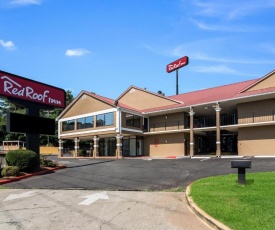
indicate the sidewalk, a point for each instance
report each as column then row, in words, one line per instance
column 106, row 210
column 189, row 223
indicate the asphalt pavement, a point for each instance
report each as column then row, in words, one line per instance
column 136, row 174
column 112, row 194
column 99, row 210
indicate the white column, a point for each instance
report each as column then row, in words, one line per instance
column 96, row 146
column 76, row 146
column 218, row 131
column 119, row 146
column 191, row 113
column 60, row 148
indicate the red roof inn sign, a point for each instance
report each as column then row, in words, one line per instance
column 177, row 64
column 13, row 86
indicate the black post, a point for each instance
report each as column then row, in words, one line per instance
column 32, row 139
column 241, row 176
column 177, row 82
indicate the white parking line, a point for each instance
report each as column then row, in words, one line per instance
column 200, row 158
column 205, row 159
column 264, row 156
column 231, row 157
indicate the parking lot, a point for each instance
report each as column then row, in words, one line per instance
column 113, row 194
column 136, row 174
column 85, row 209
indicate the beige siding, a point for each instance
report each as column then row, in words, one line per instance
column 86, row 104
column 90, row 136
column 266, row 83
column 142, row 100
column 165, row 145
column 258, row 111
column 167, row 122
column 256, row 141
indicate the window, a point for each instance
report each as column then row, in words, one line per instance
column 68, row 125
column 132, row 120
column 109, row 119
column 100, row 120
column 85, row 122
column 105, row 119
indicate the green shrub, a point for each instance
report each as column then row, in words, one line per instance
column 80, row 153
column 10, row 171
column 47, row 163
column 25, row 160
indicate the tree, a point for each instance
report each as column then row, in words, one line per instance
column 5, row 107
column 53, row 114
column 69, row 97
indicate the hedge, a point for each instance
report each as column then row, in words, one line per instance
column 25, row 160
column 10, row 171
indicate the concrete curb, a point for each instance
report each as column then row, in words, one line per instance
column 156, row 158
column 209, row 220
column 46, row 171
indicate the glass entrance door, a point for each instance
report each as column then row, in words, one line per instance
column 132, row 146
column 107, row 146
column 140, row 146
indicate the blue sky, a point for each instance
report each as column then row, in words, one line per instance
column 104, row 46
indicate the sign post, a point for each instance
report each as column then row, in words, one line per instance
column 34, row 96
column 175, row 66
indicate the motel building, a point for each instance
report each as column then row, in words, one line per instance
column 235, row 119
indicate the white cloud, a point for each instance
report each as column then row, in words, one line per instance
column 269, row 48
column 224, row 27
column 221, row 69
column 212, row 50
column 214, row 69
column 76, row 52
column 199, row 46
column 204, row 57
column 8, row 45
column 231, row 10
column 26, row 2
column 154, row 50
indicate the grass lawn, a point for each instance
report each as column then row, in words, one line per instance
column 239, row 207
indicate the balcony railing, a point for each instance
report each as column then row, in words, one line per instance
column 256, row 116
column 225, row 119
column 202, row 122
column 229, row 119
column 166, row 126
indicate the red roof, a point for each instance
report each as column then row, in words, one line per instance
column 213, row 94
column 112, row 102
column 104, row 99
column 256, row 92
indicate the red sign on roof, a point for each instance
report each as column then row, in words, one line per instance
column 13, row 86
column 177, row 64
